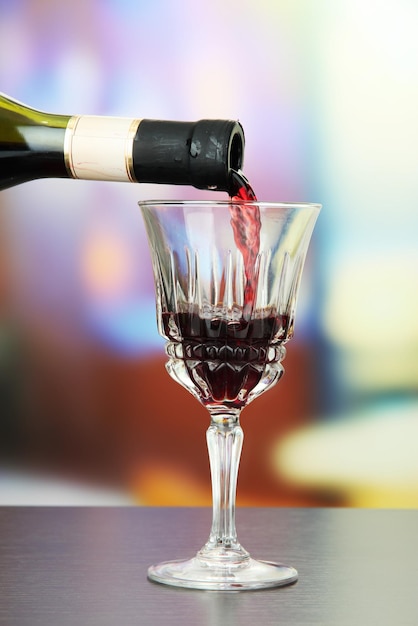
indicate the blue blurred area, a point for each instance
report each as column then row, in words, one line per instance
column 328, row 96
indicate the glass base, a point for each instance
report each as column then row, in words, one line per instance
column 195, row 574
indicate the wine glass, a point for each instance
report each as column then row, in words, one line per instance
column 225, row 295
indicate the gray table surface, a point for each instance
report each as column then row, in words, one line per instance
column 87, row 566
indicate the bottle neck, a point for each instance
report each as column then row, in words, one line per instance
column 100, row 148
column 200, row 153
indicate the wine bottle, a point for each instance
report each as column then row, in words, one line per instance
column 34, row 144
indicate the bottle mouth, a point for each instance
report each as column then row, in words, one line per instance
column 200, row 153
column 236, row 151
column 221, row 150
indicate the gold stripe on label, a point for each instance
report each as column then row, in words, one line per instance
column 68, row 140
column 129, row 156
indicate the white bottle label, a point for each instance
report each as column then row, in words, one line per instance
column 100, row 148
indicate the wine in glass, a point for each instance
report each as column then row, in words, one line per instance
column 226, row 277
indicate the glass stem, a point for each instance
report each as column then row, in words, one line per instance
column 224, row 438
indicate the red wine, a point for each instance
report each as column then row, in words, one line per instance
column 240, row 188
column 246, row 224
column 222, row 361
column 225, row 360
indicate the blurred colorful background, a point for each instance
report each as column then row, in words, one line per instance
column 327, row 93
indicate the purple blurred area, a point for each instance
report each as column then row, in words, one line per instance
column 327, row 94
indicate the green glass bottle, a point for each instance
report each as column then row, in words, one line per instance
column 36, row 145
